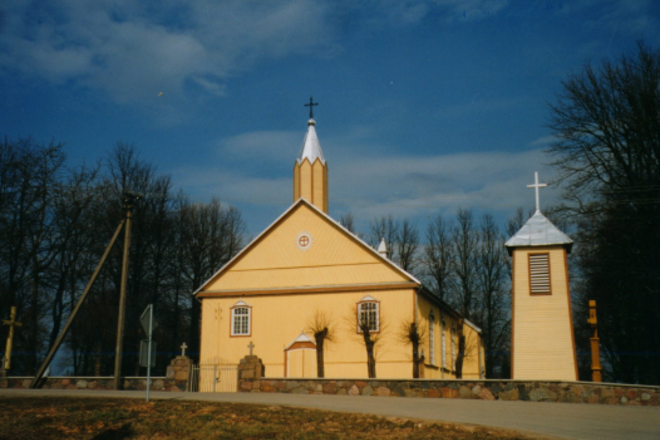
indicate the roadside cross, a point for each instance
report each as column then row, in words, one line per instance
column 251, row 346
column 11, row 322
column 183, row 349
column 536, row 187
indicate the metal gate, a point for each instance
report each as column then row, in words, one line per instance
column 214, row 378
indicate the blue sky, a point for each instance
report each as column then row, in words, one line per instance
column 425, row 106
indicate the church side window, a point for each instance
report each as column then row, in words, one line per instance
column 432, row 338
column 443, row 342
column 368, row 314
column 539, row 274
column 453, row 346
column 240, row 319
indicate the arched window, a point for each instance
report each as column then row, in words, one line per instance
column 368, row 314
column 241, row 322
column 431, row 338
column 443, row 342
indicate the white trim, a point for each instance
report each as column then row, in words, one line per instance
column 472, row 324
column 302, row 200
column 248, row 315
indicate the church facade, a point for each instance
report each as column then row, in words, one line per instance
column 306, row 269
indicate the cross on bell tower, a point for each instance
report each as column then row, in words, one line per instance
column 536, row 187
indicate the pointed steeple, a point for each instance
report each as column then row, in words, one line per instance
column 311, row 148
column 310, row 171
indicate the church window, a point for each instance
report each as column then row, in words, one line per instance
column 303, row 241
column 539, row 274
column 432, row 338
column 241, row 315
column 443, row 343
column 368, row 314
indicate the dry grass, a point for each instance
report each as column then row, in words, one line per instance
column 96, row 418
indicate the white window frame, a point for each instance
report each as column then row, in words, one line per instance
column 431, row 338
column 241, row 319
column 443, row 342
column 371, row 307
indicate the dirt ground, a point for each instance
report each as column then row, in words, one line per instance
column 97, row 418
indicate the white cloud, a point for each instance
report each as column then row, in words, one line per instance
column 370, row 186
column 134, row 50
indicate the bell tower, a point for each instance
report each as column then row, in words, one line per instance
column 310, row 171
column 542, row 338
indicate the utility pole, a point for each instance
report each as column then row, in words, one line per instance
column 10, row 338
column 129, row 204
column 595, row 344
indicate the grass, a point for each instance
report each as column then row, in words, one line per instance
column 97, row 418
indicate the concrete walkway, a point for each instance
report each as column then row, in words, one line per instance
column 559, row 420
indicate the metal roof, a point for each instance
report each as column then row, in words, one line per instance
column 311, row 148
column 539, row 231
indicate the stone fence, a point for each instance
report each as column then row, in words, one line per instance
column 178, row 374
column 251, row 379
column 96, row 383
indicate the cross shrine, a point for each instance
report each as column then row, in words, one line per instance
column 10, row 338
column 536, row 186
column 250, row 346
column 311, row 107
column 183, row 349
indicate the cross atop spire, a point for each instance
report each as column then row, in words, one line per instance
column 536, row 186
column 311, row 106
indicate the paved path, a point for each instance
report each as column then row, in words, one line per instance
column 559, row 420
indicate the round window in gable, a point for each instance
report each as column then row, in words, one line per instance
column 304, row 241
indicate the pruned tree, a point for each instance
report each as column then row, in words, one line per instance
column 411, row 332
column 606, row 124
column 322, row 326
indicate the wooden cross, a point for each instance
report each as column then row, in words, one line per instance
column 536, row 186
column 311, row 107
column 183, row 349
column 10, row 338
column 250, row 346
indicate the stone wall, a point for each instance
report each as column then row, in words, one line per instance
column 492, row 389
column 96, row 383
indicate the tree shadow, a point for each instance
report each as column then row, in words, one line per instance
column 125, row 431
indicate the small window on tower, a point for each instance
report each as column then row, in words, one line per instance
column 539, row 274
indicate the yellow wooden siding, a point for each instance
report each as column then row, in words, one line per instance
column 333, row 258
column 473, row 361
column 306, row 180
column 278, row 319
column 296, row 181
column 435, row 371
column 320, row 191
column 542, row 329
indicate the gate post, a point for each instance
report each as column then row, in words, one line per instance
column 250, row 371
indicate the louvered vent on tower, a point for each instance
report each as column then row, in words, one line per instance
column 539, row 274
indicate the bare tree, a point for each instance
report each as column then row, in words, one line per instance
column 348, row 222
column 384, row 228
column 607, row 128
column 407, row 245
column 438, row 257
column 411, row 332
column 321, row 326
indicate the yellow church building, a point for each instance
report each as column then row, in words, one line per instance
column 306, row 266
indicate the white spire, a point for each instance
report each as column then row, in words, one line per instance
column 382, row 248
column 311, row 148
